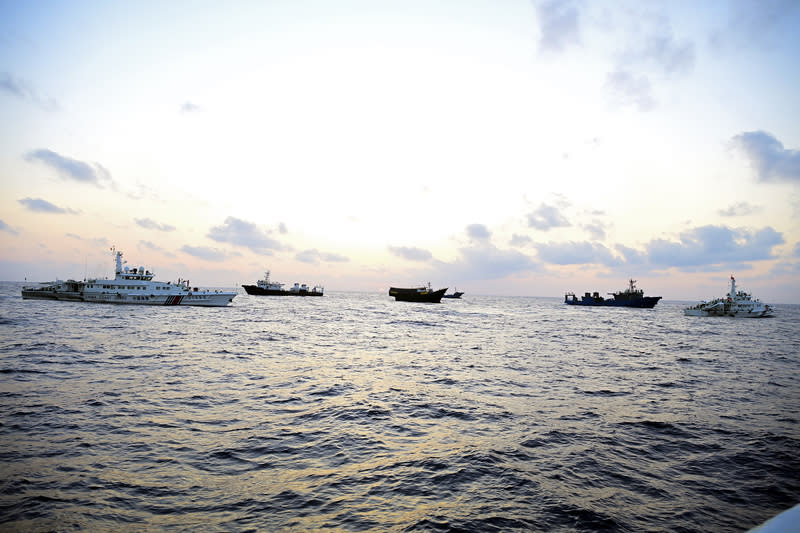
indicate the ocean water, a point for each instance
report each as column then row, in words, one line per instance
column 353, row 412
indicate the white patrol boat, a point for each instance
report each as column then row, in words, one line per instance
column 129, row 286
column 736, row 304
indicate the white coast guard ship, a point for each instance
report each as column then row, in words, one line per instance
column 736, row 304
column 129, row 286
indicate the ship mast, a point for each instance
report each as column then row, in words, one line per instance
column 118, row 256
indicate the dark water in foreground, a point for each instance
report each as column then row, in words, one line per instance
column 354, row 412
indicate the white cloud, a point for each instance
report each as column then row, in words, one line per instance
column 485, row 262
column 24, row 91
column 314, row 257
column 8, row 229
column 652, row 53
column 771, row 161
column 740, row 209
column 756, row 23
column 627, row 89
column 152, row 224
column 71, row 169
column 596, row 230
column 43, row 206
column 546, row 217
column 150, row 246
column 559, row 24
column 204, row 252
column 411, row 253
column 189, row 107
column 713, row 245
column 576, row 253
column 97, row 242
column 520, row 240
column 245, row 234
column 478, row 232
column 661, row 50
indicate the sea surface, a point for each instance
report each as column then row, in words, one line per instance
column 353, row 412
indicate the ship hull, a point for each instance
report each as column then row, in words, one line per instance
column 255, row 290
column 756, row 313
column 39, row 294
column 196, row 299
column 648, row 302
column 190, row 298
column 414, row 295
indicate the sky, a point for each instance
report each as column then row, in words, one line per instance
column 500, row 147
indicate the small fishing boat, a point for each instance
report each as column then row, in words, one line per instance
column 417, row 294
column 455, row 294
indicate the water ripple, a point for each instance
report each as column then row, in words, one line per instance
column 351, row 412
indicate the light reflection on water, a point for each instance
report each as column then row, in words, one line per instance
column 356, row 412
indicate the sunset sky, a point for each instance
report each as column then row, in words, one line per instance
column 501, row 147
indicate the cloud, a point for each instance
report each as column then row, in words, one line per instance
column 71, row 169
column 797, row 250
column 486, row 261
column 204, row 252
column 245, row 234
column 596, row 230
column 759, row 23
column 189, row 107
column 662, row 50
column 16, row 87
column 653, row 53
column 520, row 240
column 140, row 191
column 23, row 90
column 43, row 206
column 559, row 24
column 739, row 210
column 98, row 242
column 630, row 255
column 151, row 224
column 625, row 89
column 410, row 253
column 714, row 245
column 546, row 217
column 478, row 232
column 314, row 257
column 576, row 253
column 771, row 161
column 150, row 246
column 708, row 247
column 785, row 268
column 5, row 227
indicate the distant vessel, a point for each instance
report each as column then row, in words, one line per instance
column 266, row 287
column 736, row 304
column 417, row 294
column 456, row 294
column 128, row 287
column 630, row 297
